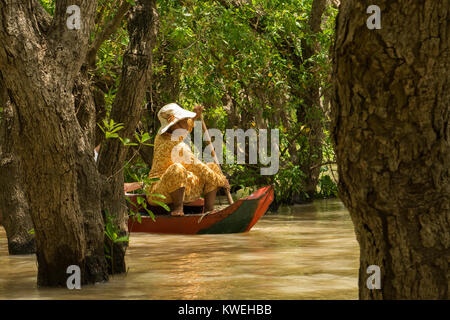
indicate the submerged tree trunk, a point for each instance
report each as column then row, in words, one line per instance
column 39, row 66
column 392, row 138
column 128, row 108
column 14, row 209
column 47, row 82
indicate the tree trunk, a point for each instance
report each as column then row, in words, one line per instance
column 40, row 65
column 391, row 133
column 128, row 109
column 14, row 207
column 312, row 114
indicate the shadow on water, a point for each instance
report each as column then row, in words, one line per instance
column 304, row 252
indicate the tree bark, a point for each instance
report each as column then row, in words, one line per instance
column 14, row 209
column 128, row 109
column 40, row 65
column 107, row 31
column 391, row 134
column 311, row 113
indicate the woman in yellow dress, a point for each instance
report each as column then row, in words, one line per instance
column 181, row 179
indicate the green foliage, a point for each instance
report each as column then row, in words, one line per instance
column 247, row 55
column 49, row 6
column 288, row 182
column 112, row 233
column 111, row 128
column 327, row 187
column 109, row 58
column 112, row 230
column 326, row 184
column 143, row 138
column 141, row 201
column 136, row 172
column 241, row 176
column 142, row 176
column 246, row 63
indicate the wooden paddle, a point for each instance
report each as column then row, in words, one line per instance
column 213, row 153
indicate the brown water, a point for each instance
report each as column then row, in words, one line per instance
column 304, row 252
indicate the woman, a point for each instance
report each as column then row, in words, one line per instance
column 181, row 180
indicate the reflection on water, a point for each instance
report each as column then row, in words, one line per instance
column 304, row 252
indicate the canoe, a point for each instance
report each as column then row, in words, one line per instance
column 241, row 216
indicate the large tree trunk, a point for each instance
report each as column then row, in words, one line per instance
column 14, row 208
column 41, row 61
column 39, row 65
column 391, row 133
column 128, row 109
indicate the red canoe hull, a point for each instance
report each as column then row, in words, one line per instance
column 241, row 216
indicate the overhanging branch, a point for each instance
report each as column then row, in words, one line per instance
column 63, row 40
column 109, row 29
column 128, row 103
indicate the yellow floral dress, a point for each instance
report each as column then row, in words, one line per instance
column 197, row 177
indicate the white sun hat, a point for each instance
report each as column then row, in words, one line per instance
column 172, row 113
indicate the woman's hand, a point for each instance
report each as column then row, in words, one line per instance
column 198, row 110
column 132, row 186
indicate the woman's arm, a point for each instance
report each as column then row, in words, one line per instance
column 132, row 186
